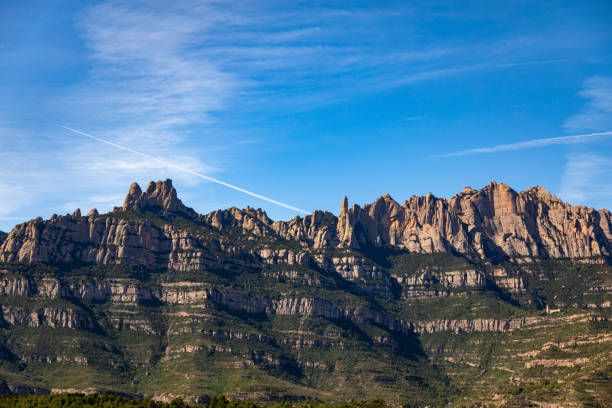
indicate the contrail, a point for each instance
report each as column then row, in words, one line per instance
column 193, row 173
column 527, row 144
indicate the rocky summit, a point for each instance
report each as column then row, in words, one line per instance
column 492, row 297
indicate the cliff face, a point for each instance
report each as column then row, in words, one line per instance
column 106, row 240
column 119, row 237
column 153, row 298
column 495, row 222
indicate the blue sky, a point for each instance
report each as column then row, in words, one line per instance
column 303, row 102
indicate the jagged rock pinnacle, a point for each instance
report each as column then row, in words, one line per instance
column 344, row 205
column 160, row 196
column 495, row 221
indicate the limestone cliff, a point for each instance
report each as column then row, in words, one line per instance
column 493, row 222
column 154, row 299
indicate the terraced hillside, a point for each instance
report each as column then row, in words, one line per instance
column 492, row 297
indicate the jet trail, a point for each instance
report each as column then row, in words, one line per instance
column 193, row 173
column 527, row 144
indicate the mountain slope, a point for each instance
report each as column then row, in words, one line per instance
column 436, row 301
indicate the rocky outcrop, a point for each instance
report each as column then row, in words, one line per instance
column 298, row 277
column 46, row 316
column 249, row 220
column 159, row 197
column 306, row 307
column 492, row 222
column 285, row 256
column 285, row 306
column 317, row 230
column 15, row 286
column 109, row 290
column 355, row 267
column 474, row 325
column 109, row 240
column 3, row 236
column 113, row 290
column 512, row 285
column 429, row 283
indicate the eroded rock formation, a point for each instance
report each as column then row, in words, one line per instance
column 495, row 221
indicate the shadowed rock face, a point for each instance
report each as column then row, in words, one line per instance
column 3, row 236
column 495, row 221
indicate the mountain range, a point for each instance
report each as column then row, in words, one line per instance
column 492, row 297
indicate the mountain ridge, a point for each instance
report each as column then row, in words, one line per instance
column 432, row 302
column 494, row 223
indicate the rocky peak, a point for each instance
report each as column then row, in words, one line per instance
column 255, row 221
column 344, row 205
column 495, row 199
column 487, row 223
column 160, row 196
column 539, row 193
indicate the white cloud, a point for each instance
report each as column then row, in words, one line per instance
column 162, row 73
column 147, row 67
column 12, row 198
column 586, row 177
column 597, row 113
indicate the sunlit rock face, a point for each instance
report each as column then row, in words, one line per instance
column 495, row 221
column 159, row 196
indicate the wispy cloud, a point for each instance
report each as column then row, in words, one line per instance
column 586, row 177
column 597, row 113
column 529, row 144
column 161, row 70
column 12, row 197
column 145, row 63
column 173, row 65
column 187, row 80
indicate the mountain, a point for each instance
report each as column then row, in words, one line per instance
column 492, row 223
column 491, row 295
